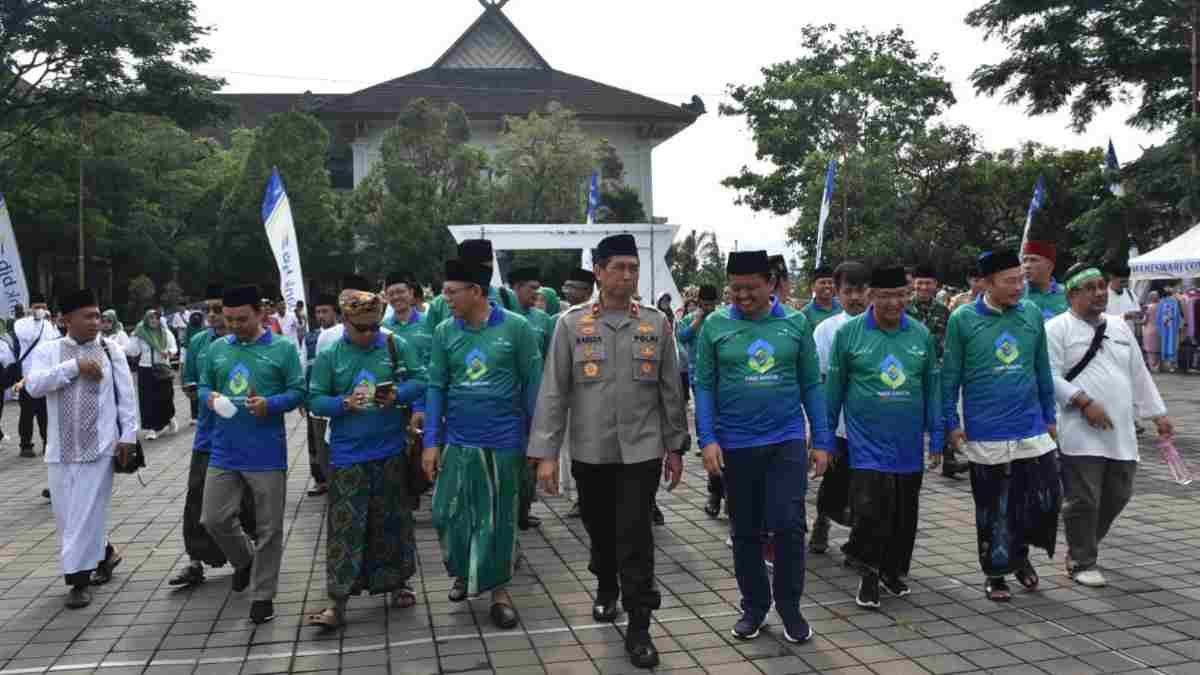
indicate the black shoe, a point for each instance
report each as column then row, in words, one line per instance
column 104, row 571
column 78, row 597
column 819, row 542
column 657, row 516
column 641, row 650
column 894, row 585
column 262, row 611
column 748, row 627
column 529, row 522
column 504, row 616
column 192, row 575
column 458, row 591
column 241, row 577
column 27, row 451
column 606, row 609
column 574, row 512
column 868, row 592
column 713, row 507
column 46, row 493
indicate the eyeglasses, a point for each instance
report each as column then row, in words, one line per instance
column 366, row 328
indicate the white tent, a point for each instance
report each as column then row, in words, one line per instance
column 653, row 241
column 1176, row 259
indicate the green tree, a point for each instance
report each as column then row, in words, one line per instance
column 685, row 255
column 543, row 164
column 141, row 298
column 712, row 263
column 62, row 56
column 1087, row 55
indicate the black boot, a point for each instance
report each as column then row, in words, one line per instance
column 26, row 450
column 951, row 465
column 641, row 650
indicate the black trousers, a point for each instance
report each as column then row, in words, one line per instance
column 318, row 450
column 615, row 502
column 31, row 408
column 199, row 545
column 885, row 507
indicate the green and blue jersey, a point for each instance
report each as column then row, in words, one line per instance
column 1051, row 303
column 816, row 314
column 192, row 365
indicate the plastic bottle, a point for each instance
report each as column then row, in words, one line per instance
column 1179, row 468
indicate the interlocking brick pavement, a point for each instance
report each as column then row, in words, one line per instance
column 1146, row 621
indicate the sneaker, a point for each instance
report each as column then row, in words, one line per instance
column 769, row 553
column 868, row 592
column 748, row 628
column 1090, row 577
column 799, row 633
column 894, row 585
column 262, row 611
column 152, row 435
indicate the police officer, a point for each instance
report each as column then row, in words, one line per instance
column 613, row 365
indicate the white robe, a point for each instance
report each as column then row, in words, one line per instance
column 823, row 337
column 1117, row 377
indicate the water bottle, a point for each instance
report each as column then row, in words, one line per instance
column 1170, row 455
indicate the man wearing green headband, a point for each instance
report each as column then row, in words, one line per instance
column 1101, row 386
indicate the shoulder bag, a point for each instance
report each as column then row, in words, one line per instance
column 12, row 373
column 135, row 459
column 1092, row 350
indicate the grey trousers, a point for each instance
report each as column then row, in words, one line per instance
column 1095, row 491
column 223, row 490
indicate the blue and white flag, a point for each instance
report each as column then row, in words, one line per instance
column 593, row 198
column 281, row 233
column 13, row 289
column 826, row 205
column 1113, row 168
column 1035, row 205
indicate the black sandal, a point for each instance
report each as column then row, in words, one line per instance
column 996, row 589
column 1027, row 576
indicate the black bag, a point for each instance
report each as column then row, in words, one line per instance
column 160, row 371
column 1093, row 348
column 12, row 373
column 135, row 459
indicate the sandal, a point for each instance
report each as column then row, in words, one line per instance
column 1027, row 576
column 328, row 618
column 404, row 597
column 997, row 590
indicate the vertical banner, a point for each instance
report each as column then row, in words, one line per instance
column 826, row 205
column 13, row 289
column 281, row 233
column 1035, row 205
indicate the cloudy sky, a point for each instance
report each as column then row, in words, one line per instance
column 668, row 49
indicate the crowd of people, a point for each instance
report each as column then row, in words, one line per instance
column 1032, row 387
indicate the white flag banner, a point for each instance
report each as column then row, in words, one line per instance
column 13, row 289
column 281, row 232
column 826, row 206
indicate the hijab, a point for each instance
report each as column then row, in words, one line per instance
column 553, row 304
column 157, row 339
column 117, row 326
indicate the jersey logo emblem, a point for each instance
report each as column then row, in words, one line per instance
column 1006, row 349
column 239, row 380
column 762, row 356
column 364, row 384
column 591, row 369
column 891, row 371
column 476, row 365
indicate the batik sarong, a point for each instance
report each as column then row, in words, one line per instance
column 475, row 507
column 1016, row 506
column 371, row 546
column 885, row 507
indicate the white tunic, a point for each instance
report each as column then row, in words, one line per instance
column 27, row 330
column 1117, row 377
column 824, row 336
column 139, row 349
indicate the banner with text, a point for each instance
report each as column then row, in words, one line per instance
column 13, row 289
column 281, row 232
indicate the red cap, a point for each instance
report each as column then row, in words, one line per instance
column 1046, row 249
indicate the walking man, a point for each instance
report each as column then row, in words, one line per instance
column 934, row 316
column 823, row 304
column 688, row 332
column 853, row 281
column 526, row 283
column 318, row 448
column 361, row 384
column 200, row 547
column 996, row 358
column 30, row 332
column 756, row 369
column 1037, row 262
column 255, row 375
column 883, row 371
column 1102, row 386
column 484, row 372
column 579, row 288
column 612, row 385
column 93, row 416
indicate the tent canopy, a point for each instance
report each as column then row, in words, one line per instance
column 653, row 241
column 1176, row 259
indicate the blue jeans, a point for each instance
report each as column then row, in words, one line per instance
column 765, row 488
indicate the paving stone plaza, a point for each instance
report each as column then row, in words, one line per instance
column 1146, row 621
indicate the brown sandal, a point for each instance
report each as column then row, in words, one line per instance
column 404, row 597
column 328, row 618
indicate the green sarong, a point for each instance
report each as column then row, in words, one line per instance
column 475, row 505
column 370, row 542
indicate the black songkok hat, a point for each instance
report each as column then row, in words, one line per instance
column 888, row 277
column 356, row 282
column 708, row 293
column 326, row 299
column 778, row 266
column 523, row 274
column 991, row 262
column 477, row 251
column 241, row 296
column 78, row 300
column 398, row 277
column 468, row 272
column 582, row 276
column 925, row 272
column 37, row 298
column 617, row 244
column 748, row 262
column 214, row 292
column 823, row 272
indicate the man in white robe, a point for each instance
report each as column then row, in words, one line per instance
column 1098, row 404
column 92, row 410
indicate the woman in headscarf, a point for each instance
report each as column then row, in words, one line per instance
column 112, row 328
column 553, row 306
column 154, row 346
column 1150, row 340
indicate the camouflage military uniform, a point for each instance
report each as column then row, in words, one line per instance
column 964, row 298
column 935, row 316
